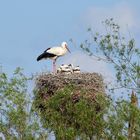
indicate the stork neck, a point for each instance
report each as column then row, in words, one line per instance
column 64, row 49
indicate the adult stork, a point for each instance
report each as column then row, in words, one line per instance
column 53, row 53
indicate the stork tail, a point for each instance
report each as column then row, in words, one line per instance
column 43, row 55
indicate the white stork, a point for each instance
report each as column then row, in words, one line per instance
column 76, row 69
column 53, row 53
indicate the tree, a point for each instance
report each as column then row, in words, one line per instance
column 112, row 47
column 81, row 120
column 16, row 119
column 71, row 106
column 74, row 113
column 122, row 53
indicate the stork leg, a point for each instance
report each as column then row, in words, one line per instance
column 54, row 66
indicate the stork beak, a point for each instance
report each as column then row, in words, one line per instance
column 68, row 49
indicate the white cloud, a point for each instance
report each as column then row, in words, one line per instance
column 123, row 13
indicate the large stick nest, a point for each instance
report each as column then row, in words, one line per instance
column 91, row 83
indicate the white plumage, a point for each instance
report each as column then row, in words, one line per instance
column 58, row 51
column 76, row 69
column 53, row 53
column 68, row 69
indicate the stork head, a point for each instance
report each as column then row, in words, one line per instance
column 65, row 45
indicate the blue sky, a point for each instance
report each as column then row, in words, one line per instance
column 29, row 27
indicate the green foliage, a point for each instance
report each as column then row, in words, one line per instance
column 119, row 120
column 16, row 120
column 87, row 119
column 70, row 118
column 113, row 48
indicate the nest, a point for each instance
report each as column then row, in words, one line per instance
column 49, row 84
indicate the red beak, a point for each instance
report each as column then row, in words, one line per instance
column 68, row 49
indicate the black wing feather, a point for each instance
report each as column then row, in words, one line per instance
column 47, row 49
column 45, row 55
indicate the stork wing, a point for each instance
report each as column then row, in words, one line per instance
column 47, row 49
column 56, row 51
